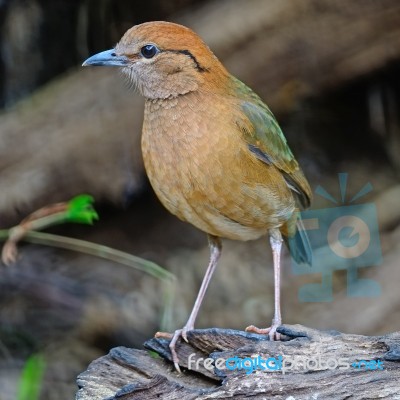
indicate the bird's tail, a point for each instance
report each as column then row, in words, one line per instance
column 296, row 239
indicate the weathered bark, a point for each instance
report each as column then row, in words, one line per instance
column 136, row 374
column 82, row 133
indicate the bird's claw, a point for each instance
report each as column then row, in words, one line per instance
column 184, row 332
column 179, row 333
column 163, row 335
column 271, row 331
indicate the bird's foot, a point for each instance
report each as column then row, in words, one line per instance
column 179, row 333
column 271, row 331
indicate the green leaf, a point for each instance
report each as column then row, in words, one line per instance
column 80, row 210
column 153, row 354
column 31, row 378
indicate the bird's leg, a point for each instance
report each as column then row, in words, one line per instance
column 215, row 253
column 275, row 239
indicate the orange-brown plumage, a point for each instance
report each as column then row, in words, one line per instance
column 213, row 151
column 203, row 172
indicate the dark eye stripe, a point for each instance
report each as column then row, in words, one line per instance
column 198, row 66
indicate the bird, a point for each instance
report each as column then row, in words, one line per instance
column 213, row 152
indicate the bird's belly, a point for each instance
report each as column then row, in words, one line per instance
column 211, row 194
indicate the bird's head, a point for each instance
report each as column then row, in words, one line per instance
column 163, row 60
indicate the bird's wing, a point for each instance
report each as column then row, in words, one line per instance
column 266, row 141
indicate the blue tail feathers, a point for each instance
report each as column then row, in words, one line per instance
column 299, row 245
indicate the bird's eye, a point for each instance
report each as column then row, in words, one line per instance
column 149, row 51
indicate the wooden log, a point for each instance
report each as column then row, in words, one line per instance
column 313, row 365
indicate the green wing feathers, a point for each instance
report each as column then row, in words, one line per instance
column 266, row 140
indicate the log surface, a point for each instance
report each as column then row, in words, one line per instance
column 368, row 368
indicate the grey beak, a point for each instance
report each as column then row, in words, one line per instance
column 107, row 58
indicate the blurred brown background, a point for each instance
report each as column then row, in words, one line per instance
column 328, row 69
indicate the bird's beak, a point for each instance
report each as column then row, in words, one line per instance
column 107, row 58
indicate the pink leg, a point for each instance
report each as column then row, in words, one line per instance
column 275, row 239
column 215, row 253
